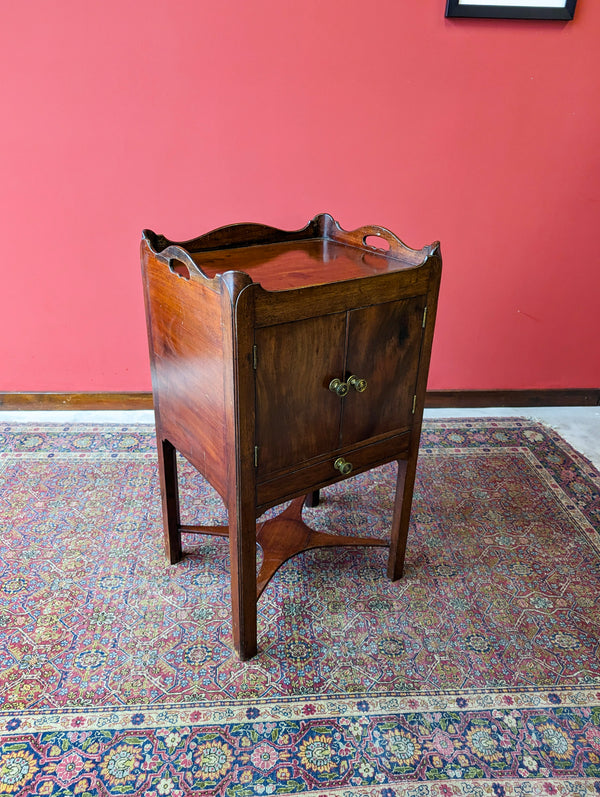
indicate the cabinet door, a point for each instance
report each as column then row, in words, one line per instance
column 297, row 416
column 384, row 345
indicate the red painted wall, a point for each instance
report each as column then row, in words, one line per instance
column 183, row 115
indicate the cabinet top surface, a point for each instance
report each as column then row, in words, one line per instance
column 298, row 264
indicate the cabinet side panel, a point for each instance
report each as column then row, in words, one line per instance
column 186, row 352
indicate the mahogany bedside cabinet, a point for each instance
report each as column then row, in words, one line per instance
column 283, row 362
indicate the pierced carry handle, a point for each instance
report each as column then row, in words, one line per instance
column 379, row 239
column 372, row 236
column 178, row 267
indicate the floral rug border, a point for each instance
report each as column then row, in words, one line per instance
column 283, row 709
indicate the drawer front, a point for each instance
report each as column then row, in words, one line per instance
column 319, row 474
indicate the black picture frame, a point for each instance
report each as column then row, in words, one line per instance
column 520, row 10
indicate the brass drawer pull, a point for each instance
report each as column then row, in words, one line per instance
column 345, row 468
column 360, row 385
column 339, row 388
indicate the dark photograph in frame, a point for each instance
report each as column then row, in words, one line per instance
column 512, row 9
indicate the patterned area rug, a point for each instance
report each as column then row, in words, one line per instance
column 476, row 674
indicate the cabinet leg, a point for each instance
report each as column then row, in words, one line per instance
column 401, row 518
column 312, row 499
column 167, row 468
column 242, row 548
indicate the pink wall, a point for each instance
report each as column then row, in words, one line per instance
column 182, row 115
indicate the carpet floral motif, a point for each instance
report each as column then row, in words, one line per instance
column 477, row 673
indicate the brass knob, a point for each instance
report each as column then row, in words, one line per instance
column 345, row 468
column 360, row 385
column 338, row 387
